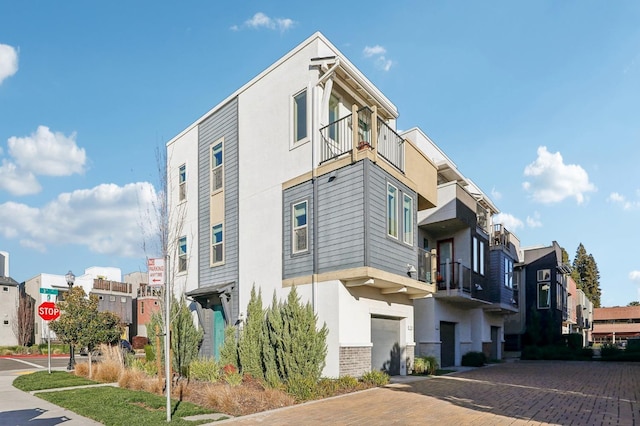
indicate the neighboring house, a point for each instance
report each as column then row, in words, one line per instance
column 543, row 291
column 473, row 262
column 299, row 178
column 9, row 297
column 570, row 324
column 615, row 325
column 584, row 317
column 147, row 303
column 59, row 283
column 116, row 297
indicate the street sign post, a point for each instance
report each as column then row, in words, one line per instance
column 155, row 271
column 48, row 311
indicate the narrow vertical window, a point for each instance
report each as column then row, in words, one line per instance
column 300, row 116
column 508, row 273
column 216, row 167
column 476, row 255
column 392, row 211
column 182, row 182
column 182, row 254
column 407, row 219
column 217, row 244
column 481, row 259
column 300, row 228
column 334, row 112
column 544, row 295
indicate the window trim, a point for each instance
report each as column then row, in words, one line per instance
column 295, row 142
column 182, row 256
column 508, row 273
column 393, row 211
column 478, row 253
column 182, row 182
column 218, row 168
column 539, row 286
column 217, row 243
column 294, row 228
column 407, row 236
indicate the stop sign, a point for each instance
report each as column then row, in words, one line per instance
column 48, row 311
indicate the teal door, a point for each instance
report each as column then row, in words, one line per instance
column 218, row 330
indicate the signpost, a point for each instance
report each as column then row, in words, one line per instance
column 155, row 271
column 48, row 311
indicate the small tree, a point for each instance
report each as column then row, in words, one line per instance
column 99, row 327
column 250, row 343
column 229, row 349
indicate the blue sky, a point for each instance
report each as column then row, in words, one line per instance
column 538, row 102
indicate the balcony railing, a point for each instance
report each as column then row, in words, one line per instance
column 454, row 276
column 424, row 266
column 337, row 138
column 107, row 285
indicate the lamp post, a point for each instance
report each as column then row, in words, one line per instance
column 72, row 361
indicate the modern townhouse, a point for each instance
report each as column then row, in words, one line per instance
column 473, row 261
column 584, row 317
column 299, row 178
column 543, row 298
column 10, row 292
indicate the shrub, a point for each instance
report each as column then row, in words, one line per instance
column 425, row 365
column 474, row 359
column 251, row 340
column 574, row 341
column 149, row 353
column 347, row 383
column 233, row 378
column 204, row 369
column 609, row 351
column 376, row 378
column 302, row 387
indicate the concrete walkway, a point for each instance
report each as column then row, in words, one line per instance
column 19, row 408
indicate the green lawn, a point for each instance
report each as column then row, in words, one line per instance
column 43, row 380
column 114, row 406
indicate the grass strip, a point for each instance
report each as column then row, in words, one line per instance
column 43, row 380
column 116, row 406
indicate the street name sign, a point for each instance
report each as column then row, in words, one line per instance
column 48, row 291
column 48, row 311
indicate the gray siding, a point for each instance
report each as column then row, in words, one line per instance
column 497, row 290
column 223, row 123
column 385, row 252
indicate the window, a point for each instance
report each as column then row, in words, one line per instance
column 216, row 167
column 182, row 182
column 300, row 116
column 544, row 274
column 544, row 295
column 392, row 211
column 508, row 273
column 300, row 228
column 217, row 244
column 559, row 296
column 407, row 219
column 5, row 288
column 112, row 298
column 6, row 322
column 478, row 255
column 123, row 300
column 334, row 115
column 182, row 254
column 142, row 307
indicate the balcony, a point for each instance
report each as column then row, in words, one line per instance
column 455, row 282
column 340, row 137
column 105, row 285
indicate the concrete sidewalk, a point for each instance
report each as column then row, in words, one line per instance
column 19, row 408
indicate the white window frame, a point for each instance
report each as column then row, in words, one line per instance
column 392, row 211
column 296, row 229
column 295, row 141
column 215, row 244
column 407, row 219
column 508, row 272
column 217, row 169
column 182, row 254
column 478, row 255
column 182, row 182
column 548, row 290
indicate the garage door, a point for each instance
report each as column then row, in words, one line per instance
column 386, row 351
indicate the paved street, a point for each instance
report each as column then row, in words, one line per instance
column 517, row 393
column 34, row 363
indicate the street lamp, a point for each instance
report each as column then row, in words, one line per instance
column 70, row 280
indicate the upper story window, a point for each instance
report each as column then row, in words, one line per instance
column 508, row 273
column 182, row 182
column 300, row 236
column 217, row 244
column 392, row 211
column 544, row 295
column 407, row 219
column 300, row 116
column 216, row 166
column 182, row 254
column 478, row 255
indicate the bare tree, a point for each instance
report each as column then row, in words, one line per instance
column 24, row 316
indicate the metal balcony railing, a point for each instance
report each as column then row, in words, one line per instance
column 390, row 145
column 454, row 276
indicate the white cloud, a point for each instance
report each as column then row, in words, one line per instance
column 8, row 61
column 621, row 200
column 106, row 219
column 553, row 181
column 635, row 276
column 260, row 20
column 47, row 153
column 17, row 181
column 378, row 53
column 509, row 221
column 534, row 221
column 495, row 194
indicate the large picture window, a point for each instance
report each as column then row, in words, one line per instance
column 182, row 254
column 300, row 237
column 217, row 244
column 544, row 295
column 407, row 219
column 217, row 171
column 300, row 116
column 392, row 211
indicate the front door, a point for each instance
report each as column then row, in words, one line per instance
column 447, row 344
column 495, row 349
column 218, row 330
column 445, row 253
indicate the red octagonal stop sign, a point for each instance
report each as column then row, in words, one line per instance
column 48, row 311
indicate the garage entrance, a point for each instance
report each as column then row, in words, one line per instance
column 386, row 351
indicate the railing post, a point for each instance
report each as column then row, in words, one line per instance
column 354, row 132
column 461, row 277
column 447, row 279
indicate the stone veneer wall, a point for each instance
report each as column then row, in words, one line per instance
column 355, row 360
column 411, row 354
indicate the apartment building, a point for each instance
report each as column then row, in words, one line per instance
column 615, row 325
column 300, row 178
column 473, row 261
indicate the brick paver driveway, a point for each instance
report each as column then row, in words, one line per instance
column 522, row 392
